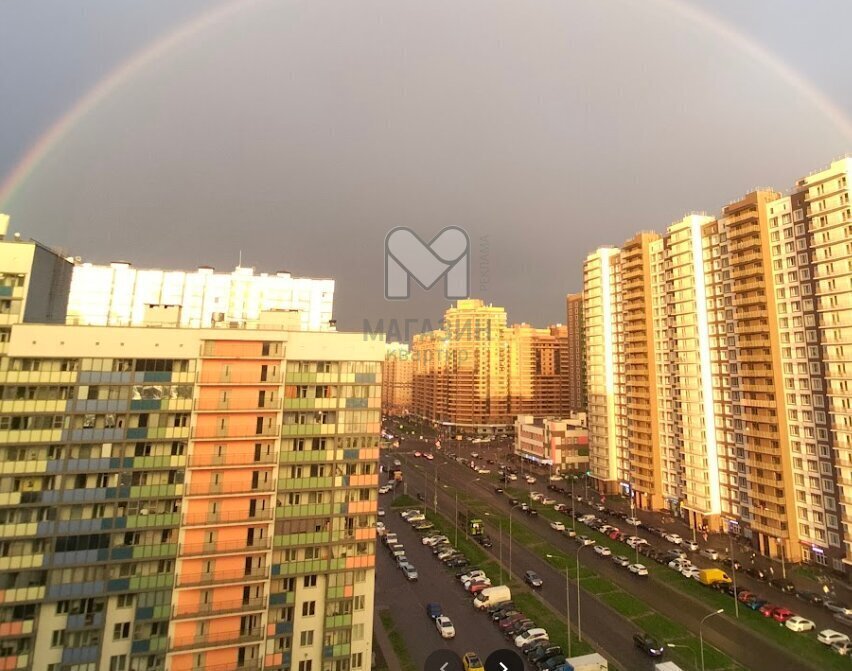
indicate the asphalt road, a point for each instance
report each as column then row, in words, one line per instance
column 739, row 642
column 407, row 601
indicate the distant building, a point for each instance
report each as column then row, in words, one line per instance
column 576, row 353
column 397, row 380
column 119, row 295
column 34, row 282
column 562, row 443
column 475, row 374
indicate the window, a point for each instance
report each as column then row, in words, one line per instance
column 309, row 608
column 120, row 631
column 118, row 663
column 125, row 600
column 306, row 638
column 359, row 602
column 310, row 581
column 305, row 665
column 357, row 660
column 57, row 639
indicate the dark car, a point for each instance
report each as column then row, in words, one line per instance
column 757, row 573
column 519, row 628
column 756, row 603
column 734, row 564
column 457, row 562
column 810, row 597
column 433, row 610
column 508, row 621
column 501, row 617
column 542, row 651
column 485, row 541
column 551, row 663
column 783, row 585
column 648, row 644
column 514, row 501
column 498, row 490
column 532, row 579
column 532, row 512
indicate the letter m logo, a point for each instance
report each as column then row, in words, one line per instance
column 407, row 256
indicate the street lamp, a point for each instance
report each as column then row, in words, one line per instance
column 685, row 647
column 780, row 542
column 734, row 574
column 701, row 633
column 577, row 559
column 511, row 508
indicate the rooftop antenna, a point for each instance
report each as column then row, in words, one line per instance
column 240, row 262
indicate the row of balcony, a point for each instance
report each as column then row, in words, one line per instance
column 218, row 608
column 217, row 639
column 224, row 547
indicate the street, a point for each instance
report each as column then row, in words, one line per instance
column 738, row 641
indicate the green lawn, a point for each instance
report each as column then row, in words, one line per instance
column 544, row 616
column 625, row 604
column 397, row 642
column 405, row 501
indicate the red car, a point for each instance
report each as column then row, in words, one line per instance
column 768, row 609
column 782, row 615
column 745, row 596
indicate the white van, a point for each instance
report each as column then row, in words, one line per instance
column 492, row 596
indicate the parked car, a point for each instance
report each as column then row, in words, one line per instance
column 485, row 541
column 757, row 573
column 673, row 538
column 648, row 644
column 842, row 647
column 409, row 572
column 837, row 607
column 585, row 540
column 691, row 572
column 445, row 627
column 710, row 553
column 810, row 597
column 471, row 662
column 532, row 579
column 633, row 521
column 799, row 623
column 784, row 585
column 692, row 546
column 733, row 564
column 603, row 551
column 638, row 570
column 830, row 636
column 530, row 635
column 433, row 610
column 557, row 526
column 621, row 560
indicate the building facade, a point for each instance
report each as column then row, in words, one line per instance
column 476, row 373
column 561, row 443
column 187, row 499
column 119, row 295
column 397, row 380
column 717, row 370
column 576, row 353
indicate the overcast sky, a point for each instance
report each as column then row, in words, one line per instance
column 300, row 131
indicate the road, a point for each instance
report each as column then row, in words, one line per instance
column 407, row 601
column 737, row 641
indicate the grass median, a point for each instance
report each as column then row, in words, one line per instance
column 397, row 641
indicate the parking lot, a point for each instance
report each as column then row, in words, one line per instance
column 407, row 600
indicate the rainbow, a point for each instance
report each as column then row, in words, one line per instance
column 124, row 72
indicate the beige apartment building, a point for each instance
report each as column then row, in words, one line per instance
column 717, row 377
column 397, row 380
column 576, row 353
column 183, row 498
column 476, row 373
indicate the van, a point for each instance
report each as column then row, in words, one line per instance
column 710, row 576
column 492, row 596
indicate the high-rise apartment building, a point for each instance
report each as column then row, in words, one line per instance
column 397, row 380
column 715, row 362
column 186, row 499
column 476, row 373
column 119, row 295
column 576, row 353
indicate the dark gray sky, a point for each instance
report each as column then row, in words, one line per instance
column 301, row 131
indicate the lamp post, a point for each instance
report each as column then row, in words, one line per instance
column 456, row 518
column 573, row 505
column 568, row 608
column 701, row 633
column 780, row 542
column 511, row 508
column 577, row 559
column 685, row 647
column 734, row 574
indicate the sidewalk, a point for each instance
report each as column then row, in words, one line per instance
column 380, row 636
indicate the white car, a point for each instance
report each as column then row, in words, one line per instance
column 679, row 564
column 432, row 541
column 409, row 571
column 621, row 560
column 472, row 575
column 445, row 627
column 673, row 538
column 557, row 526
column 830, row 636
column 530, row 636
column 799, row 623
column 637, row 569
column 483, row 471
column 692, row 546
column 691, row 572
column 477, row 581
column 710, row 553
column 633, row 521
column 556, row 478
column 530, row 479
column 512, row 477
column 536, row 496
column 547, row 501
column 429, row 456
column 603, row 551
column 585, row 540
column 635, row 541
column 381, row 512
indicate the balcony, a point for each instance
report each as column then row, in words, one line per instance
column 222, row 577
column 216, row 639
column 227, row 488
column 215, row 609
column 227, row 432
column 233, row 406
column 224, row 547
column 243, row 458
column 201, row 519
column 252, row 665
column 243, row 378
